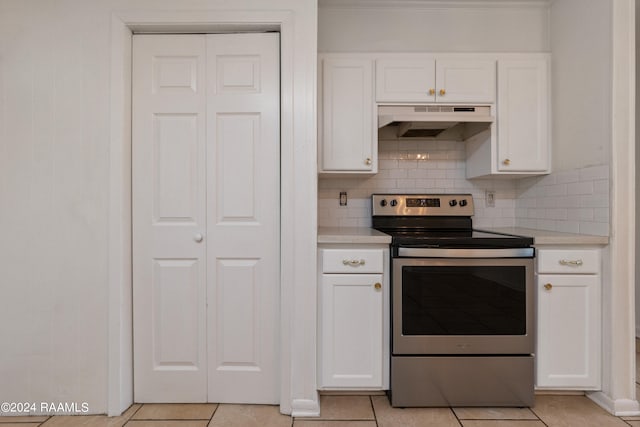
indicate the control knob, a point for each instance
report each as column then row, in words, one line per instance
column 383, row 202
column 394, row 202
column 463, row 202
column 453, row 202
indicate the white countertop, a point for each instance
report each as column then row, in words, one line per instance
column 350, row 235
column 544, row 237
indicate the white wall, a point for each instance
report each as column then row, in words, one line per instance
column 55, row 62
column 592, row 90
column 54, row 98
column 407, row 26
column 581, row 76
column 637, row 4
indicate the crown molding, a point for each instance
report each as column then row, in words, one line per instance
column 433, row 4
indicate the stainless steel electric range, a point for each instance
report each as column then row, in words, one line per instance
column 462, row 305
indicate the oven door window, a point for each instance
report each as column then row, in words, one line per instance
column 463, row 300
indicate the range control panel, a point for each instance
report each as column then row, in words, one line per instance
column 422, row 204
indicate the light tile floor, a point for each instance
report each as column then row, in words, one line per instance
column 346, row 411
column 350, row 411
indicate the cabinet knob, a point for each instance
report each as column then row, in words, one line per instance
column 442, row 92
column 378, row 286
column 548, row 286
column 432, row 91
column 506, row 162
column 368, row 161
column 198, row 237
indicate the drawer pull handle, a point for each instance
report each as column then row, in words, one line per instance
column 571, row 263
column 353, row 262
column 548, row 286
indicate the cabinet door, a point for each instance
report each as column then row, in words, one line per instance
column 460, row 80
column 409, row 80
column 523, row 116
column 351, row 335
column 348, row 121
column 568, row 336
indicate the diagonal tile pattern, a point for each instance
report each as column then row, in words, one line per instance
column 345, row 411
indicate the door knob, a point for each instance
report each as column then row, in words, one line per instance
column 378, row 286
column 432, row 91
column 442, row 92
column 548, row 286
column 198, row 237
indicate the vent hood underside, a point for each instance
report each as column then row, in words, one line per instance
column 448, row 122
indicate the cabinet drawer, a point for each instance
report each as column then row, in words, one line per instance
column 575, row 261
column 352, row 260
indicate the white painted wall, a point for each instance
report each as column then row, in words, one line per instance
column 581, row 75
column 637, row 7
column 410, row 26
column 55, row 205
column 592, row 95
column 54, row 137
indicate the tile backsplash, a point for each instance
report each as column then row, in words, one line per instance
column 571, row 201
column 575, row 201
column 415, row 167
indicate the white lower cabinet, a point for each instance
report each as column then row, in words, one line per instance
column 352, row 352
column 568, row 354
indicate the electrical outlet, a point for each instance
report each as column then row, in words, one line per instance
column 490, row 199
column 343, row 198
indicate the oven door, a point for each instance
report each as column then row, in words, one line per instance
column 462, row 306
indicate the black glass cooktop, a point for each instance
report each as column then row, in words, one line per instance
column 457, row 239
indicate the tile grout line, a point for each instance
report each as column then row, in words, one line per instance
column 373, row 409
column 538, row 416
column 214, row 413
column 456, row 416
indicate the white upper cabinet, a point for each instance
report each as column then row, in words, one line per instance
column 465, row 80
column 406, row 80
column 519, row 143
column 515, row 86
column 436, row 80
column 523, row 115
column 348, row 131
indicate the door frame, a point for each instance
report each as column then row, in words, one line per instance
column 298, row 189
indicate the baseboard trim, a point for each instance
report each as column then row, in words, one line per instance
column 305, row 408
column 617, row 407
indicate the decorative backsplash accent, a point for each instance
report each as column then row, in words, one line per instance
column 574, row 201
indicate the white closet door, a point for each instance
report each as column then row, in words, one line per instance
column 243, row 213
column 206, row 165
column 169, row 218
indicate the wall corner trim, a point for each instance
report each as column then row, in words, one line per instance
column 305, row 408
column 617, row 407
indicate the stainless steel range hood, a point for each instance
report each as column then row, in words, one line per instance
column 453, row 122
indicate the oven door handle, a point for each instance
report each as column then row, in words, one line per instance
column 466, row 253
